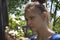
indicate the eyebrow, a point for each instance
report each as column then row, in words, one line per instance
column 31, row 16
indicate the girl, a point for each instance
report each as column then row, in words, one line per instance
column 38, row 19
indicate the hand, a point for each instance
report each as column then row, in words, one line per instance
column 23, row 38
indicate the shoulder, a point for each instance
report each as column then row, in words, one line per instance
column 55, row 37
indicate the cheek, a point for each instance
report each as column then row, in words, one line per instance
column 36, row 23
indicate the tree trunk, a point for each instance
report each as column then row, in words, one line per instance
column 3, row 18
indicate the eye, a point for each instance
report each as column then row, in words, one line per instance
column 26, row 19
column 31, row 17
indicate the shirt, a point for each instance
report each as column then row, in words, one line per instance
column 55, row 37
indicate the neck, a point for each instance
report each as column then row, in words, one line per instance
column 45, row 34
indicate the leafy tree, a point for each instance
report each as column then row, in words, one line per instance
column 16, row 8
column 56, row 25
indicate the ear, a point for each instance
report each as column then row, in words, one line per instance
column 44, row 15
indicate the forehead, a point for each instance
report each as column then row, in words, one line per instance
column 32, row 12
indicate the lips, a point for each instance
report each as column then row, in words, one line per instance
column 31, row 27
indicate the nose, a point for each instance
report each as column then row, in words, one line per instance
column 29, row 23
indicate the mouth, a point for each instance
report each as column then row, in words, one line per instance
column 31, row 27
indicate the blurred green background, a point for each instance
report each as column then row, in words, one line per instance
column 17, row 24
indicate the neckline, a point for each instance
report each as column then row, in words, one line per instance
column 52, row 36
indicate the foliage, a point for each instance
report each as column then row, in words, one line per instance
column 16, row 8
column 56, row 25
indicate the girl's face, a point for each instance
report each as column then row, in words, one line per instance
column 34, row 20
